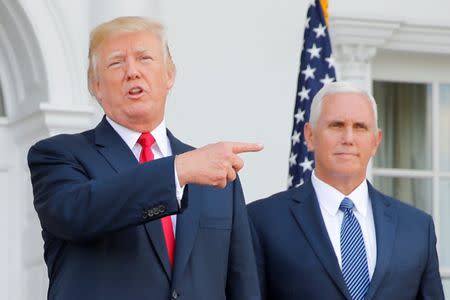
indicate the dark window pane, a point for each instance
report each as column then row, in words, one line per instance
column 404, row 116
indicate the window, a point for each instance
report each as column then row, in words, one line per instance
column 413, row 161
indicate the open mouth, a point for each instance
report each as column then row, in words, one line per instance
column 135, row 92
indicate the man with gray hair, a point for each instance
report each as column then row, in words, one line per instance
column 337, row 237
column 127, row 210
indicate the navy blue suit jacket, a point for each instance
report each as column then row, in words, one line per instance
column 296, row 259
column 99, row 210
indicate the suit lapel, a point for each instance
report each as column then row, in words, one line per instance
column 187, row 227
column 385, row 224
column 120, row 157
column 113, row 148
column 306, row 211
column 156, row 236
column 188, row 220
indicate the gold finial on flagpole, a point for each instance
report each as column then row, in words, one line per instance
column 324, row 5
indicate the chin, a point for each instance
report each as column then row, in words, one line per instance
column 354, row 175
column 138, row 110
column 347, row 170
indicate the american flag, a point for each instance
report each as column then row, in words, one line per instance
column 316, row 69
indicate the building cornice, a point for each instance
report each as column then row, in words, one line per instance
column 390, row 35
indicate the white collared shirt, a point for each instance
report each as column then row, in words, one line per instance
column 329, row 200
column 161, row 148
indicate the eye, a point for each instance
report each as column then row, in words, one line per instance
column 114, row 63
column 146, row 58
column 336, row 124
column 360, row 126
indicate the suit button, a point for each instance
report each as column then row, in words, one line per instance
column 162, row 208
column 175, row 295
column 150, row 213
column 155, row 211
column 145, row 215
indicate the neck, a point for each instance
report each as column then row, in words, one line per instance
column 344, row 184
column 136, row 125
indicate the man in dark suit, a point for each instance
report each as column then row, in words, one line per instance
column 337, row 237
column 127, row 210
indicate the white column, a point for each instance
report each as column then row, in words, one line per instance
column 9, row 245
column 354, row 64
column 44, row 90
column 27, row 265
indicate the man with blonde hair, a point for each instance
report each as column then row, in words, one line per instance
column 127, row 210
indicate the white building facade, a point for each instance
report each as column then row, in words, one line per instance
column 237, row 66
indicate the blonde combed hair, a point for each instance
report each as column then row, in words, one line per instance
column 120, row 25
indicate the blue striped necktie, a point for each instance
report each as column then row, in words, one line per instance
column 353, row 253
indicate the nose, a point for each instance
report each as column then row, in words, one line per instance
column 347, row 136
column 132, row 70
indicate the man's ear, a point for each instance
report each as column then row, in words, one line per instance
column 378, row 138
column 95, row 87
column 171, row 74
column 309, row 137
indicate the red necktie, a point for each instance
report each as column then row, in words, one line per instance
column 146, row 140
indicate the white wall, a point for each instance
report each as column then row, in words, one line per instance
column 237, row 73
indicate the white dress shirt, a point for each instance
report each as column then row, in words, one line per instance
column 161, row 148
column 329, row 200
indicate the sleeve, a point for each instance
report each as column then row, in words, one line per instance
column 242, row 279
column 72, row 206
column 431, row 284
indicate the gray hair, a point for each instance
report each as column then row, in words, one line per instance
column 336, row 88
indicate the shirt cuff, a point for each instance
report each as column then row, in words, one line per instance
column 180, row 189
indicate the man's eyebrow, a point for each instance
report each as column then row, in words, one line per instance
column 140, row 50
column 115, row 54
column 339, row 122
column 335, row 121
column 362, row 124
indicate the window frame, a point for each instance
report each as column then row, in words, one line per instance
column 434, row 173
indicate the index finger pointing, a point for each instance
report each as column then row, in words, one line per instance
column 246, row 147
